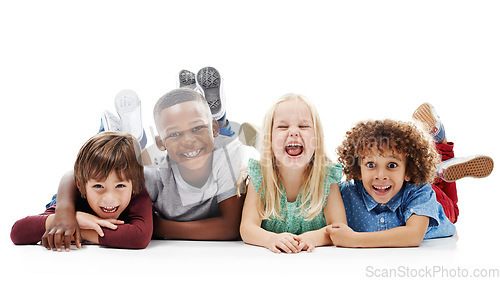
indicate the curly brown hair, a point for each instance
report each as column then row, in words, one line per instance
column 403, row 137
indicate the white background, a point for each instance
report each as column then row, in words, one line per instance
column 62, row 62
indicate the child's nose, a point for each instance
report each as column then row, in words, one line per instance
column 188, row 139
column 293, row 132
column 109, row 197
column 381, row 174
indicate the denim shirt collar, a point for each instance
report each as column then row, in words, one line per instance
column 371, row 204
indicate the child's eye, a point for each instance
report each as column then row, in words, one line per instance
column 283, row 127
column 197, row 128
column 370, row 165
column 173, row 135
column 120, row 185
column 97, row 186
column 392, row 165
column 304, row 127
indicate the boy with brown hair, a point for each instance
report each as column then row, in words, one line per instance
column 109, row 176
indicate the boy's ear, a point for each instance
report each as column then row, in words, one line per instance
column 159, row 143
column 407, row 177
column 215, row 128
column 80, row 190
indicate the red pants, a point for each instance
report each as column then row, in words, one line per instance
column 446, row 192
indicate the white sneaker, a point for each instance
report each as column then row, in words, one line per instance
column 426, row 116
column 128, row 106
column 187, row 79
column 109, row 122
column 210, row 82
column 478, row 166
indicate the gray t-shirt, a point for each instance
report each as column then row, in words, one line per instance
column 174, row 199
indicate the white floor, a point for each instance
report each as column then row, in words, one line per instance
column 229, row 260
column 62, row 64
column 470, row 252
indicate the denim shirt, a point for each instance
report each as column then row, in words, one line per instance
column 364, row 214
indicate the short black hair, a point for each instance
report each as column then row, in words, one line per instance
column 175, row 97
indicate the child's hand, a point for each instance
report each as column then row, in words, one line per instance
column 342, row 235
column 88, row 221
column 286, row 242
column 306, row 242
column 61, row 229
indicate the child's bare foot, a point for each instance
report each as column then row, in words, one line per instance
column 426, row 116
column 479, row 166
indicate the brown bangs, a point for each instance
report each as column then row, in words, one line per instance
column 110, row 152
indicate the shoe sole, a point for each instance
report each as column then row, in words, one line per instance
column 186, row 78
column 248, row 135
column 424, row 114
column 126, row 101
column 209, row 80
column 478, row 167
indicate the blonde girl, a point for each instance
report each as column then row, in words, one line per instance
column 293, row 191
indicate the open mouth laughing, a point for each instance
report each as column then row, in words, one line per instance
column 192, row 154
column 381, row 190
column 109, row 209
column 294, row 149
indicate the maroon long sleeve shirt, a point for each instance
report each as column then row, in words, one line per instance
column 134, row 234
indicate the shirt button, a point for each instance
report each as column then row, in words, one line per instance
column 411, row 210
column 382, row 220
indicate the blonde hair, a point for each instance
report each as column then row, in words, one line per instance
column 312, row 192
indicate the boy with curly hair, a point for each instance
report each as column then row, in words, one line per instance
column 390, row 202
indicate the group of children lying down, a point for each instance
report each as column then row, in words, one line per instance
column 400, row 180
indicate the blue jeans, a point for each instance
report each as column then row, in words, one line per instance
column 226, row 131
column 52, row 202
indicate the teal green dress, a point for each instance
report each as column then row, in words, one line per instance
column 292, row 220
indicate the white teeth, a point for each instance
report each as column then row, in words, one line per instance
column 382, row 187
column 192, row 153
column 109, row 209
column 293, row 144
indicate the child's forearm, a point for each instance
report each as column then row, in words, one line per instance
column 28, row 230
column 90, row 235
column 255, row 235
column 395, row 237
column 66, row 194
column 64, row 224
column 223, row 227
column 319, row 237
column 49, row 220
column 137, row 231
column 409, row 235
column 216, row 228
